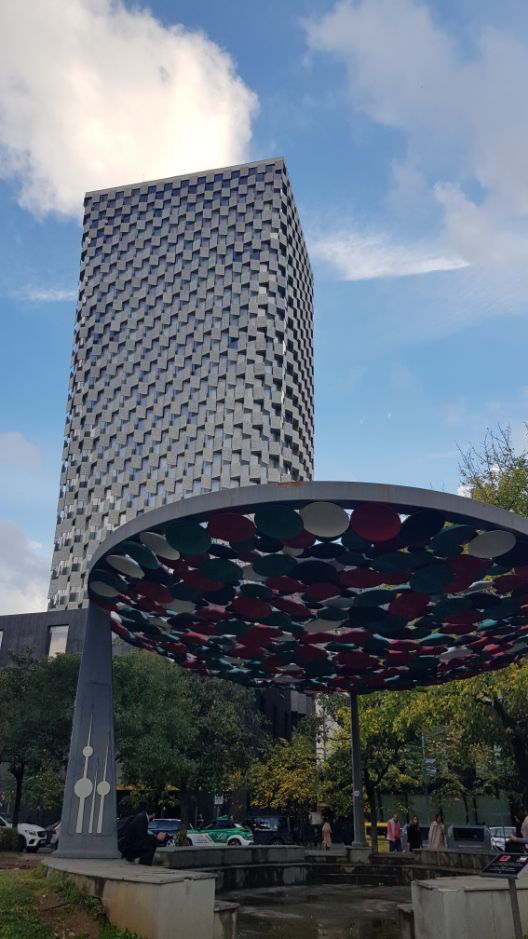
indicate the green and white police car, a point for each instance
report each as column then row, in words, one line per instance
column 225, row 831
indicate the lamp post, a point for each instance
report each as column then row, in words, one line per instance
column 357, row 782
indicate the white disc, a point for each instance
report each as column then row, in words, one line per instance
column 324, row 519
column 125, row 565
column 491, row 544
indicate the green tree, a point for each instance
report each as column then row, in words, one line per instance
column 175, row 729
column 36, row 706
column 497, row 473
column 287, row 778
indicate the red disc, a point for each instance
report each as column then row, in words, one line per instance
column 231, row 526
column 375, row 521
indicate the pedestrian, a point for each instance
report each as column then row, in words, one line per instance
column 136, row 842
column 200, row 821
column 436, row 839
column 414, row 834
column 326, row 832
column 515, row 843
column 394, row 833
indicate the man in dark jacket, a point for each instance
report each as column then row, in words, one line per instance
column 137, row 842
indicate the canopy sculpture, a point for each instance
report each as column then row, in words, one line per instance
column 319, row 587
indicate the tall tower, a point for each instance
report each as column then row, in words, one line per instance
column 192, row 359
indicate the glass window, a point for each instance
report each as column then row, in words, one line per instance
column 58, row 637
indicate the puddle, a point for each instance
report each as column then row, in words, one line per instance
column 336, row 912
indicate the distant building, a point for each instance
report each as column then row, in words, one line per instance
column 192, row 371
column 192, row 360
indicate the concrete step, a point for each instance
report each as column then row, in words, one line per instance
column 363, row 879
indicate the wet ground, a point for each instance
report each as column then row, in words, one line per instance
column 322, row 912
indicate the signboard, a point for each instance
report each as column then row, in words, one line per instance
column 218, row 800
column 506, row 865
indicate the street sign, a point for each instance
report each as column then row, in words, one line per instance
column 506, row 865
column 509, row 866
column 218, row 800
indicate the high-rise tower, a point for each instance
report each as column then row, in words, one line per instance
column 192, row 359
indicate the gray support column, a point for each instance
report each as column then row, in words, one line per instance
column 357, row 782
column 88, row 823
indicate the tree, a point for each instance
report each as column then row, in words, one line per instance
column 179, row 730
column 389, row 735
column 497, row 474
column 36, row 706
column 287, row 779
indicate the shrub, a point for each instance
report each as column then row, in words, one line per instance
column 8, row 839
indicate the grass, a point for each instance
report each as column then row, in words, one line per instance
column 33, row 906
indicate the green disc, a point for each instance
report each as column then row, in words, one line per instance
column 450, row 606
column 431, row 579
column 221, row 569
column 278, row 521
column 448, row 541
column 274, row 565
column 279, row 620
column 188, row 536
column 375, row 597
column 139, row 552
column 396, row 561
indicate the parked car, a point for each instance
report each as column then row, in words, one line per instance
column 272, row 829
column 30, row 837
column 225, row 831
column 171, row 826
column 499, row 834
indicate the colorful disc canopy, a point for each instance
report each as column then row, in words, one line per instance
column 322, row 587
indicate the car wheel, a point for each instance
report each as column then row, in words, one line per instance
column 234, row 842
column 276, row 841
column 21, row 843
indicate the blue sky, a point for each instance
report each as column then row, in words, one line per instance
column 405, row 130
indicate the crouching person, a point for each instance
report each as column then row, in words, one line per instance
column 135, row 841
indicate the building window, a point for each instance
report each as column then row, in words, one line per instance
column 58, row 637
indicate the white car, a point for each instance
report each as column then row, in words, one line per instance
column 30, row 837
column 499, row 836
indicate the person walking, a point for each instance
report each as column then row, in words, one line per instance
column 516, row 843
column 414, row 834
column 326, row 832
column 436, row 840
column 394, row 833
column 136, row 841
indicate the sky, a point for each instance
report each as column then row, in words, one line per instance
column 404, row 125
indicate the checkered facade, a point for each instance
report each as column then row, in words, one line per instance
column 192, row 362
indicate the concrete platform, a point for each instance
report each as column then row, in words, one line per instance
column 469, row 907
column 153, row 902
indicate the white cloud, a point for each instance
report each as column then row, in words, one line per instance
column 93, row 94
column 16, row 451
column 24, row 573
column 366, row 255
column 46, row 294
column 464, row 491
column 462, row 111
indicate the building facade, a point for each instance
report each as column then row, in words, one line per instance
column 192, row 362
